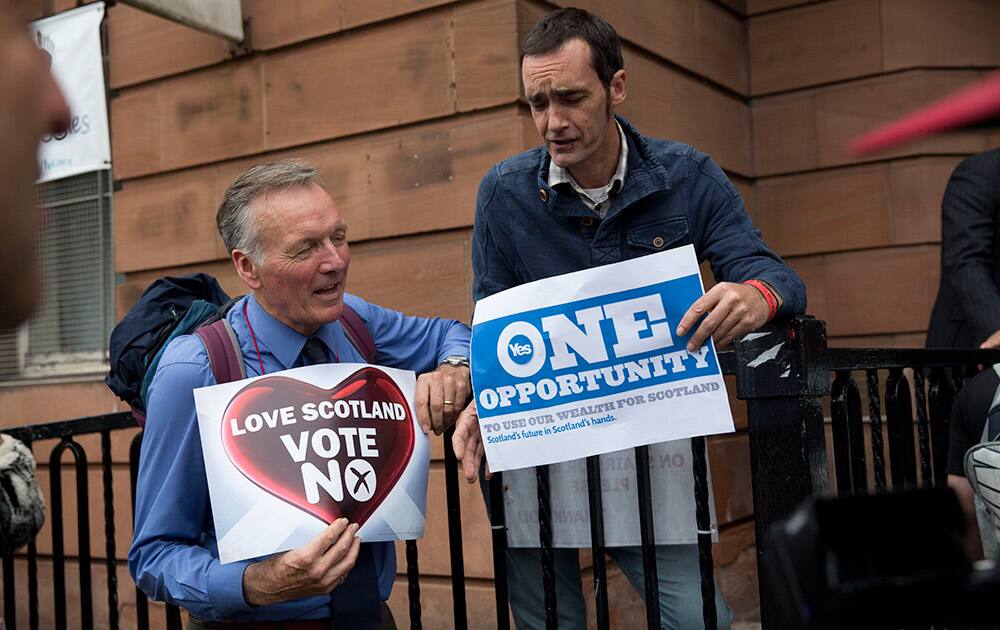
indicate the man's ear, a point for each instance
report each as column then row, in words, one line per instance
column 617, row 88
column 248, row 271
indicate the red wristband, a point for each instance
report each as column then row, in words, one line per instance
column 772, row 301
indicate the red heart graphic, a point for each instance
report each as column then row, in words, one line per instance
column 266, row 459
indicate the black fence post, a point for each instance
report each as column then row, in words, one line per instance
column 455, row 533
column 498, row 528
column 782, row 375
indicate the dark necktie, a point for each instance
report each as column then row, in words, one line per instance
column 356, row 603
column 314, row 352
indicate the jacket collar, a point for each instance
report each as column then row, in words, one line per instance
column 644, row 175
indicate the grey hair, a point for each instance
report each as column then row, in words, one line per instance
column 234, row 218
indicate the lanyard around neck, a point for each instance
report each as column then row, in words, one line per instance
column 254, row 337
column 260, row 362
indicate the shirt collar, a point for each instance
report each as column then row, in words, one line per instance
column 283, row 342
column 559, row 175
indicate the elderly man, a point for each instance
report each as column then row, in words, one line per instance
column 289, row 246
column 598, row 192
column 31, row 106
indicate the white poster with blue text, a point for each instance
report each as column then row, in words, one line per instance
column 640, row 409
column 590, row 362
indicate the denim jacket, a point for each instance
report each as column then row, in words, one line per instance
column 672, row 196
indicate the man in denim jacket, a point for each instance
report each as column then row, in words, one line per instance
column 598, row 192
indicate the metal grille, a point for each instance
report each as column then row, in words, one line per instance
column 69, row 331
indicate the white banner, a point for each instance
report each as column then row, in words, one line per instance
column 73, row 41
column 290, row 452
column 590, row 363
column 672, row 490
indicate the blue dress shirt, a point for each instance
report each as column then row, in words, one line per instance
column 174, row 556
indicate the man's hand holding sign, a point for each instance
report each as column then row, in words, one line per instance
column 316, row 568
column 467, row 441
column 730, row 310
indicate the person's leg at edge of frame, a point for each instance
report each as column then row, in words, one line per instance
column 527, row 595
column 679, row 585
column 525, row 591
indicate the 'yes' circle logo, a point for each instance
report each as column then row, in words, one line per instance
column 521, row 349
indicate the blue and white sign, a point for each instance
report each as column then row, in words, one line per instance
column 590, row 362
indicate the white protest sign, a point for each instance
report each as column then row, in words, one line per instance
column 589, row 363
column 72, row 39
column 290, row 452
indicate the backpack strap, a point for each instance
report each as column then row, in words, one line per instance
column 226, row 359
column 357, row 333
column 224, row 355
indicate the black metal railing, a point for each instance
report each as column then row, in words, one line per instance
column 785, row 373
column 67, row 433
